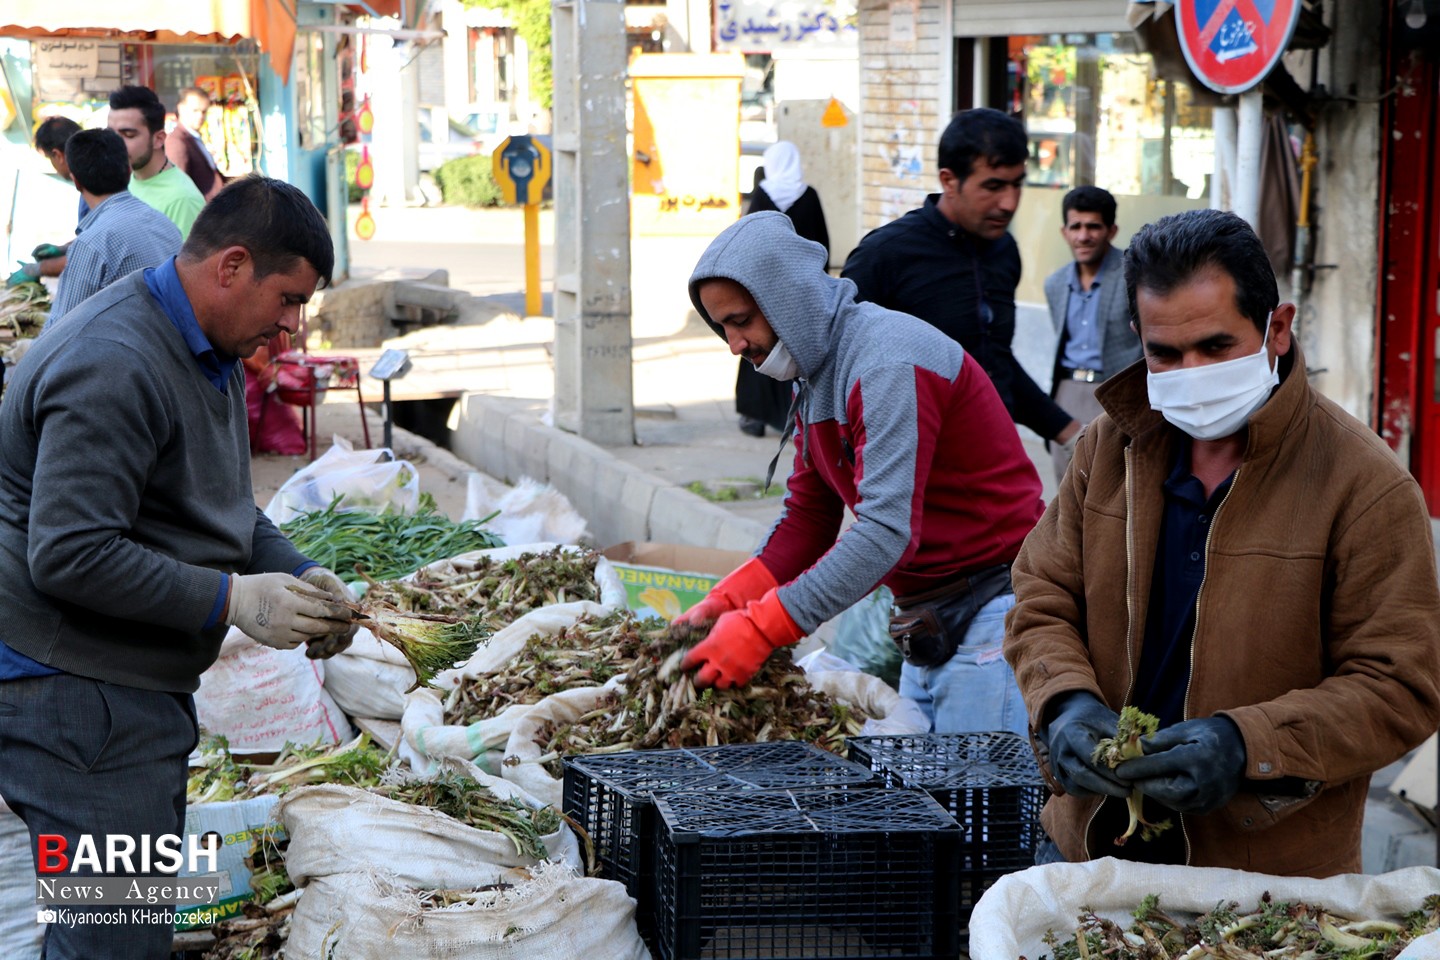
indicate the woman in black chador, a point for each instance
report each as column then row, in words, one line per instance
column 759, row 399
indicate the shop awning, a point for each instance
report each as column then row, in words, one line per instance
column 271, row 23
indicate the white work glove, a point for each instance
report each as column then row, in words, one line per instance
column 282, row 611
column 321, row 648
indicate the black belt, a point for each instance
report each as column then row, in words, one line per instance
column 1081, row 374
column 954, row 588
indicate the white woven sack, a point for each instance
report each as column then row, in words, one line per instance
column 336, row 829
column 523, row 755
column 888, row 713
column 1015, row 913
column 425, row 736
column 372, row 677
column 555, row 915
column 369, row 678
column 260, row 698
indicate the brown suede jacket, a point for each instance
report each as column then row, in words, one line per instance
column 1317, row 624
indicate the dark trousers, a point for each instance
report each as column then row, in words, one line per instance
column 78, row 756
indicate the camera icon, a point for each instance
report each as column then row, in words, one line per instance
column 45, row 916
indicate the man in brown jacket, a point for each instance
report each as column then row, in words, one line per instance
column 1236, row 555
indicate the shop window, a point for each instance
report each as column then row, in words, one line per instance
column 1096, row 113
column 79, row 84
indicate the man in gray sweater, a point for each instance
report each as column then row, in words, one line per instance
column 130, row 540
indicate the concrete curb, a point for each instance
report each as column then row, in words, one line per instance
column 506, row 439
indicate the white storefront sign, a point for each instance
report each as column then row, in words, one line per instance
column 758, row 27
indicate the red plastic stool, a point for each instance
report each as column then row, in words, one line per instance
column 302, row 379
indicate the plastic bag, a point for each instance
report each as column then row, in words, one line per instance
column 364, row 480
column 529, row 511
column 862, row 637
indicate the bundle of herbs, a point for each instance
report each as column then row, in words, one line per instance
column 1274, row 930
column 470, row 802
column 24, row 308
column 214, row 776
column 1133, row 724
column 386, row 545
column 660, row 707
column 430, row 642
column 217, row 775
column 261, row 930
column 498, row 591
column 257, row 934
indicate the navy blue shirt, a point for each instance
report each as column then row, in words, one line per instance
column 1164, row 672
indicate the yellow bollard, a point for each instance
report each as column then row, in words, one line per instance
column 532, row 260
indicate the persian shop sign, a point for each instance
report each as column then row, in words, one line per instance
column 752, row 27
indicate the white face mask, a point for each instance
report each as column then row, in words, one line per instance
column 1217, row 399
column 779, row 364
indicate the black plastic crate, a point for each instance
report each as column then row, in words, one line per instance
column 780, row 764
column 988, row 781
column 822, row 872
column 612, row 796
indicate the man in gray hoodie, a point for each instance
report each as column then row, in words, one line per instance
column 895, row 421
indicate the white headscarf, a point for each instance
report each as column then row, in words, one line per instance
column 783, row 181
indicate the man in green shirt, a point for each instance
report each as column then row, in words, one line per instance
column 137, row 114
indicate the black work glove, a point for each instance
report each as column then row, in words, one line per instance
column 1080, row 721
column 1193, row 767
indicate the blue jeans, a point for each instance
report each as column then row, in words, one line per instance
column 974, row 691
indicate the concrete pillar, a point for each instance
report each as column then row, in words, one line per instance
column 456, row 47
column 1249, row 139
column 593, row 366
column 395, row 146
column 1222, row 183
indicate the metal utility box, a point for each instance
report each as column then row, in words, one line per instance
column 685, row 166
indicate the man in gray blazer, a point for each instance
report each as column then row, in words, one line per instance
column 1094, row 337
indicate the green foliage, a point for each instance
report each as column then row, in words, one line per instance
column 468, row 182
column 532, row 22
column 352, row 161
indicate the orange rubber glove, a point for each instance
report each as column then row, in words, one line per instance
column 749, row 581
column 740, row 642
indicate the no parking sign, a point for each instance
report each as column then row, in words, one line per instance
column 1232, row 44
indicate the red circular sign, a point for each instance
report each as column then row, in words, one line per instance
column 1232, row 44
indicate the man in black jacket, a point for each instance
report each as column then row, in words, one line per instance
column 953, row 263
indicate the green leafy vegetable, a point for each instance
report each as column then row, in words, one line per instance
column 385, row 545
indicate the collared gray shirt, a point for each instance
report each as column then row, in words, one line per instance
column 1082, row 322
column 123, row 234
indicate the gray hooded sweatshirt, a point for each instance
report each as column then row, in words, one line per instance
column 895, row 422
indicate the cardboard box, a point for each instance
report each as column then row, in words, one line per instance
column 666, row 579
column 236, row 821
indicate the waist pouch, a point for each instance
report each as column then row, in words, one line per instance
column 928, row 627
